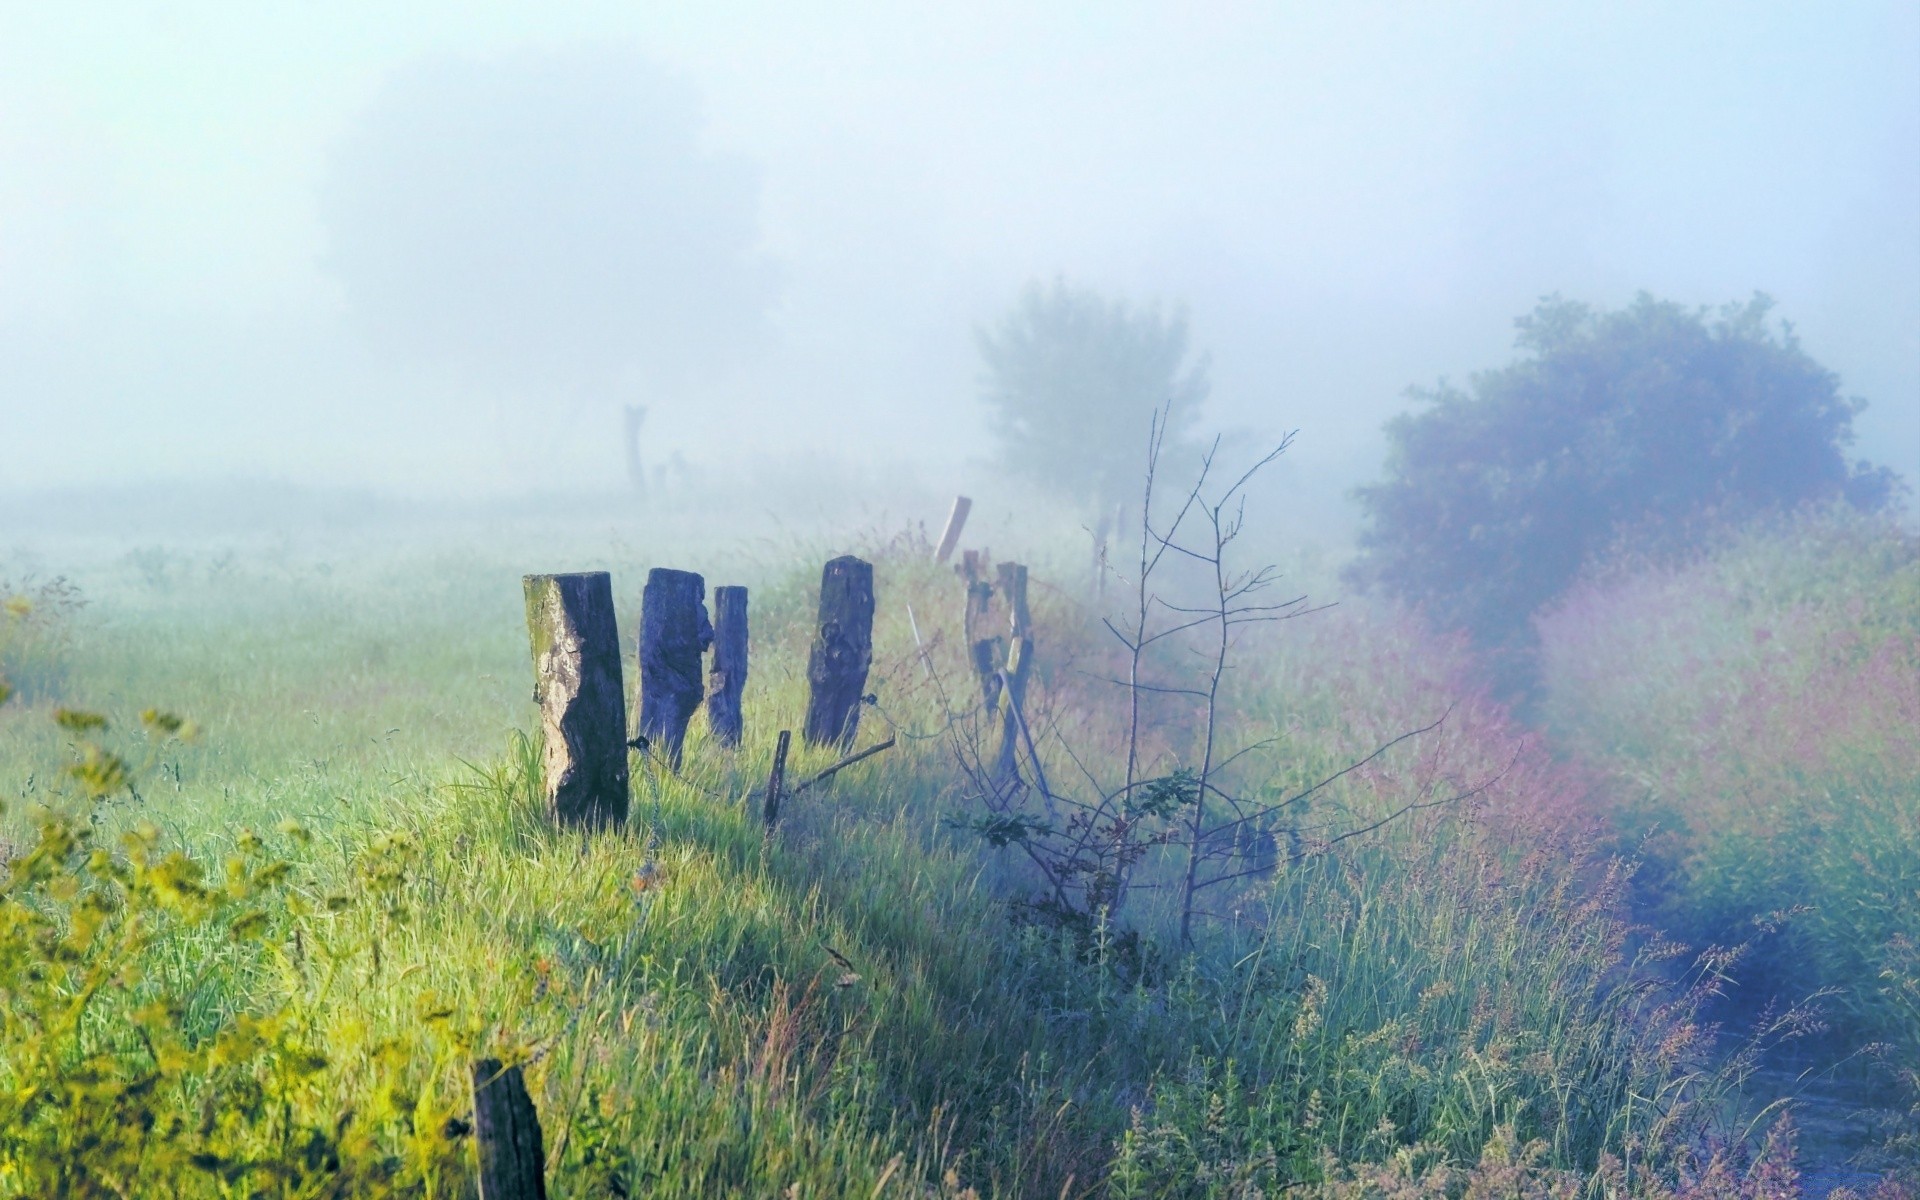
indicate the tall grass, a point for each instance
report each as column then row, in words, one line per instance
column 1758, row 708
column 1454, row 1004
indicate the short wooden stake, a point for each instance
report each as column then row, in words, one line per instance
column 842, row 653
column 674, row 634
column 770, row 811
column 727, row 677
column 506, row 1131
column 956, row 521
column 583, row 708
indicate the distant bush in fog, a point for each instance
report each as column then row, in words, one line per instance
column 1643, row 424
column 35, row 625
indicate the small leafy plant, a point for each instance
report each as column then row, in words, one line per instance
column 123, row 1071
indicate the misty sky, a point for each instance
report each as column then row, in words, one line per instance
column 265, row 241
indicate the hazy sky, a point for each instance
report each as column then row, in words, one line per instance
column 1350, row 199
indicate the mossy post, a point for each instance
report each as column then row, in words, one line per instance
column 842, row 652
column 674, row 636
column 727, row 677
column 1019, row 664
column 583, row 707
column 506, row 1135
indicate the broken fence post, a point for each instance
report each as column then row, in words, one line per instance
column 1019, row 664
column 727, row 677
column 842, row 653
column 506, row 1135
column 983, row 645
column 770, row 811
column 956, row 521
column 674, row 634
column 583, row 706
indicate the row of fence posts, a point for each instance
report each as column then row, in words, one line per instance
column 579, row 686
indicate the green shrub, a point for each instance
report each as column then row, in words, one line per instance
column 36, row 628
column 134, row 1061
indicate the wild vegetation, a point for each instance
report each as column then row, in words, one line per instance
column 257, row 961
column 1640, row 428
column 1755, row 708
column 1179, row 882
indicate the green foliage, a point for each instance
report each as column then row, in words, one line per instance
column 1072, row 380
column 114, row 1081
column 843, row 1009
column 1639, row 424
column 1755, row 709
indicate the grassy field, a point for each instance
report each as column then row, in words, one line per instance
column 1457, row 1003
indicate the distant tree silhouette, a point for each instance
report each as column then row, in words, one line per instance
column 1640, row 426
column 547, row 220
column 1072, row 380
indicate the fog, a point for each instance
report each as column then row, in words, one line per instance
column 433, row 250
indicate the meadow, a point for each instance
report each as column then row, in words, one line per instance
column 257, row 954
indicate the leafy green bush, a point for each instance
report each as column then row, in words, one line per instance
column 1636, row 424
column 125, row 1067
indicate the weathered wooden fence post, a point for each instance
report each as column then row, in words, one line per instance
column 583, row 707
column 674, row 634
column 770, row 811
column 506, row 1134
column 842, row 652
column 983, row 645
column 1019, row 664
column 728, row 676
column 956, row 521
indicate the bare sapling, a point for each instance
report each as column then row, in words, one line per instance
column 1169, row 802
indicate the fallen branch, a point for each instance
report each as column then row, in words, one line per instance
column 842, row 765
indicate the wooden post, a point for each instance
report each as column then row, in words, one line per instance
column 983, row 644
column 770, row 811
column 956, row 521
column 727, row 677
column 842, row 652
column 506, row 1132
column 636, row 474
column 674, row 633
column 1013, row 588
column 583, row 708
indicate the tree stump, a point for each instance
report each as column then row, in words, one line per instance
column 674, row 635
column 506, row 1133
column 727, row 677
column 583, row 707
column 1019, row 664
column 956, row 521
column 842, row 652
